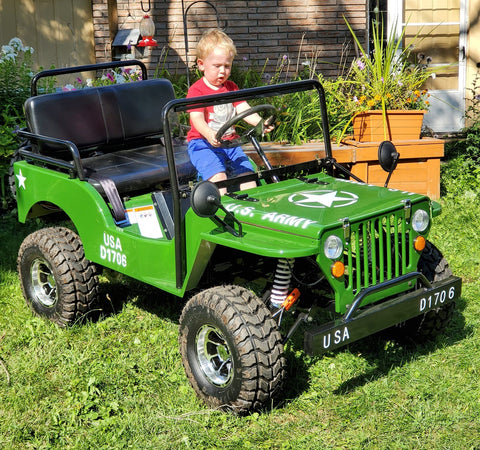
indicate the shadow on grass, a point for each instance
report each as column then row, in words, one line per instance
column 382, row 352
column 114, row 295
column 12, row 234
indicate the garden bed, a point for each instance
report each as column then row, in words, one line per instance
column 418, row 169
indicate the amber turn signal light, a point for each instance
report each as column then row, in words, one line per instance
column 338, row 269
column 419, row 243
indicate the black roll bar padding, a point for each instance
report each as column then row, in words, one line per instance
column 77, row 165
column 85, row 68
column 386, row 284
column 187, row 104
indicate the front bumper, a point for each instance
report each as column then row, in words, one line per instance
column 376, row 317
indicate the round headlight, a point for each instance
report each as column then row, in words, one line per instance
column 420, row 220
column 333, row 247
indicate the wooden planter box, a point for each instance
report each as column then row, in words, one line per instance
column 369, row 126
column 418, row 169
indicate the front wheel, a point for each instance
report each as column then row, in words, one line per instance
column 435, row 268
column 231, row 349
column 57, row 281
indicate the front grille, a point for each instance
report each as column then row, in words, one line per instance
column 377, row 250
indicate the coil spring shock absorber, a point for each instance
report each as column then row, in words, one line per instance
column 281, row 282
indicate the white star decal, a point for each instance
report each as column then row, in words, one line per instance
column 322, row 199
column 21, row 179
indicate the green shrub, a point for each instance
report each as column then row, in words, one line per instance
column 15, row 75
column 472, row 131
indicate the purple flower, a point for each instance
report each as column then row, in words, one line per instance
column 360, row 64
column 79, row 80
column 110, row 77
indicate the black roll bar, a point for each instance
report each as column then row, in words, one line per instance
column 180, row 105
column 85, row 68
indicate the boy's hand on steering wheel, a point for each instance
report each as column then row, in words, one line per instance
column 268, row 125
column 212, row 139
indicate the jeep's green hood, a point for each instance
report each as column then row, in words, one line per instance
column 309, row 208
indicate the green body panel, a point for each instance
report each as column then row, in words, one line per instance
column 122, row 249
column 290, row 219
column 296, row 217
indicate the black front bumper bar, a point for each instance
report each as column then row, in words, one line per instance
column 376, row 317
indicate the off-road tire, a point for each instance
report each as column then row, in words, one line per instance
column 231, row 350
column 421, row 328
column 57, row 281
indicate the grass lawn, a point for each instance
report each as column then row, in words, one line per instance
column 119, row 382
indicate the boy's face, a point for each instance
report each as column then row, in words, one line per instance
column 217, row 66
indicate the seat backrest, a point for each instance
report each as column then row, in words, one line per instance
column 101, row 117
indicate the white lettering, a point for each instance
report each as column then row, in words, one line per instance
column 339, row 337
column 436, row 299
column 269, row 216
column 451, row 292
column 112, row 250
column 326, row 340
column 286, row 219
column 423, row 304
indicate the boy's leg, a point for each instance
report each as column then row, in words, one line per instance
column 239, row 164
column 220, row 176
column 209, row 161
column 248, row 184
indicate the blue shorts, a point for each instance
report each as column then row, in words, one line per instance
column 209, row 160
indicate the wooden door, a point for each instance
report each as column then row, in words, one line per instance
column 439, row 29
column 59, row 31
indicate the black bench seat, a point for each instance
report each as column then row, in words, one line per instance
column 136, row 169
column 116, row 132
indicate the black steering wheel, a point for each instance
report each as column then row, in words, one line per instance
column 234, row 120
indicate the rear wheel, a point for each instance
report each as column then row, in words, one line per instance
column 231, row 349
column 57, row 281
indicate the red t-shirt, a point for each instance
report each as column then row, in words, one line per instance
column 215, row 115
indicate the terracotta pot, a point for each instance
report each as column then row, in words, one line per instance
column 400, row 125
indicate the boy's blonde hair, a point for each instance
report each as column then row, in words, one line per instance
column 214, row 38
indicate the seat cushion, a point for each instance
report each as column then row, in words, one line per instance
column 137, row 169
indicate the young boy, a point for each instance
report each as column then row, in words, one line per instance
column 215, row 53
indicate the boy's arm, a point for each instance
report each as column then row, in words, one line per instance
column 198, row 121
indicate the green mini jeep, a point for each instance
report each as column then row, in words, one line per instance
column 311, row 249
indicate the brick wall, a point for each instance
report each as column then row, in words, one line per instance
column 263, row 31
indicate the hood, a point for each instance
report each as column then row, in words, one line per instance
column 309, row 208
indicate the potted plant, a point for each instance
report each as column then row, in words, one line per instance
column 383, row 87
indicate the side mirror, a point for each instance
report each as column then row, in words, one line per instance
column 205, row 199
column 205, row 202
column 388, row 157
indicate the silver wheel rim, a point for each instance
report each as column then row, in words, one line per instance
column 214, row 356
column 43, row 283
